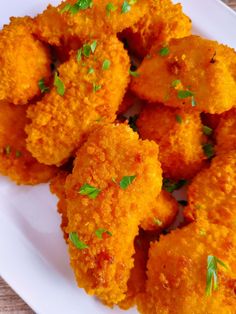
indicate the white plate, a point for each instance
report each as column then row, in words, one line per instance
column 33, row 257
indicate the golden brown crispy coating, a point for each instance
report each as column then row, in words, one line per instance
column 191, row 72
column 212, row 194
column 53, row 25
column 111, row 152
column 163, row 22
column 162, row 214
column 179, row 136
column 15, row 161
column 24, row 61
column 61, row 123
column 226, row 132
column 177, row 271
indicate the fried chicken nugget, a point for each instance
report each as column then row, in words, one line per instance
column 162, row 214
column 189, row 72
column 226, row 132
column 179, row 136
column 92, row 95
column 163, row 22
column 15, row 161
column 24, row 62
column 126, row 176
column 93, row 19
column 177, row 272
column 212, row 193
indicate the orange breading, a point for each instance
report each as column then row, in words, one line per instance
column 111, row 153
column 177, row 272
column 163, row 22
column 163, row 212
column 212, row 194
column 226, row 132
column 193, row 72
column 54, row 24
column 179, row 135
column 57, row 187
column 61, row 123
column 15, row 161
column 24, row 61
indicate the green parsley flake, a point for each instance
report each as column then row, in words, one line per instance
column 132, row 122
column 110, row 7
column 182, row 94
column 90, row 70
column 96, row 87
column 171, row 185
column 175, row 83
column 99, row 233
column 207, row 130
column 164, row 51
column 134, row 73
column 78, row 6
column 43, row 88
column 8, row 150
column 86, row 50
column 193, row 102
column 212, row 273
column 106, row 64
column 158, row 222
column 59, row 85
column 178, row 119
column 209, row 150
column 79, row 55
column 89, row 190
column 93, row 46
column 126, row 7
column 126, row 181
column 18, row 154
column 74, row 238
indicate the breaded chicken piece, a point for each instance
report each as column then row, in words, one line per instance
column 92, row 96
column 57, row 187
column 179, row 136
column 125, row 175
column 163, row 212
column 95, row 19
column 15, row 161
column 24, row 62
column 177, row 272
column 163, row 22
column 212, row 194
column 190, row 72
column 226, row 132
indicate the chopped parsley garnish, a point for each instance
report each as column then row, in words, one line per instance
column 110, row 7
column 8, row 150
column 212, row 273
column 78, row 6
column 96, row 87
column 90, row 70
column 164, row 51
column 74, row 238
column 207, row 130
column 99, row 233
column 79, row 55
column 89, row 190
column 106, row 64
column 132, row 122
column 158, row 222
column 178, row 118
column 59, row 85
column 170, row 185
column 18, row 154
column 126, row 7
column 134, row 73
column 93, row 46
column 43, row 88
column 193, row 102
column 183, row 203
column 126, row 181
column 209, row 150
column 182, row 94
column 86, row 50
column 175, row 83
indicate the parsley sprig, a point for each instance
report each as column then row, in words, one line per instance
column 74, row 238
column 86, row 50
column 212, row 273
column 43, row 88
column 126, row 181
column 99, row 233
column 89, row 190
column 60, row 87
column 78, row 6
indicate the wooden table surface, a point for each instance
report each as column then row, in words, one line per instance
column 10, row 302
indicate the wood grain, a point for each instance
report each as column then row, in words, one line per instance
column 10, row 302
